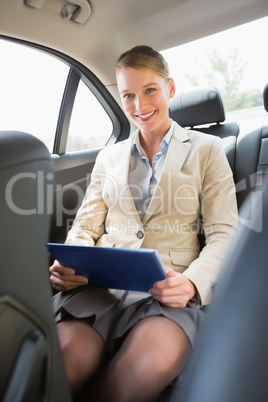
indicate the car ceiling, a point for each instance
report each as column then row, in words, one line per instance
column 116, row 25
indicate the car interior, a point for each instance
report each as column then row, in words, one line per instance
column 229, row 362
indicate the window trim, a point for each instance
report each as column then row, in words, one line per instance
column 65, row 112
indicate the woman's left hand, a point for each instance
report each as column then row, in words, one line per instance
column 174, row 291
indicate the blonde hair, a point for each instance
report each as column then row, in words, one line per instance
column 144, row 58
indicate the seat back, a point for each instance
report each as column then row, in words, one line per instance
column 202, row 109
column 31, row 365
column 251, row 165
column 230, row 360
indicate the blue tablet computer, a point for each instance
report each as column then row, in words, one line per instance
column 110, row 267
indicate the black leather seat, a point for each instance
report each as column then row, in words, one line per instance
column 31, row 365
column 202, row 109
column 251, row 155
column 230, row 361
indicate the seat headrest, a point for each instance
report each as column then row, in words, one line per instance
column 197, row 106
column 265, row 97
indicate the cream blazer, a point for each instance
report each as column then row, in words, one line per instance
column 196, row 184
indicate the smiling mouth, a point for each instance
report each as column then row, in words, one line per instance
column 145, row 116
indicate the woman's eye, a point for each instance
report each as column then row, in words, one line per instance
column 149, row 90
column 127, row 96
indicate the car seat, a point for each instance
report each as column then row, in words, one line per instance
column 201, row 109
column 251, row 165
column 230, row 360
column 31, row 365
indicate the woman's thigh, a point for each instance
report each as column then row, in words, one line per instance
column 83, row 351
column 156, row 340
column 152, row 355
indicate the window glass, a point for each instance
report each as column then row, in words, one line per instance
column 31, row 85
column 234, row 61
column 90, row 125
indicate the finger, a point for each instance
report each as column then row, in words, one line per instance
column 61, row 269
column 63, row 283
column 75, row 279
column 171, row 273
column 178, row 295
column 174, row 279
column 63, row 287
column 172, row 301
column 170, row 295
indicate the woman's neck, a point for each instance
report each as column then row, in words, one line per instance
column 151, row 144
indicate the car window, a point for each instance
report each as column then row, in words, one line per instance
column 33, row 85
column 90, row 125
column 234, row 61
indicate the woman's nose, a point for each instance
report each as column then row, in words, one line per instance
column 140, row 103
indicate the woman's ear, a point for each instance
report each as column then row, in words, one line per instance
column 172, row 88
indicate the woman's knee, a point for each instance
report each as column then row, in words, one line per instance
column 152, row 355
column 164, row 343
column 82, row 349
column 155, row 345
column 76, row 334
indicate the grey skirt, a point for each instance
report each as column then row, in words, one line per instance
column 112, row 313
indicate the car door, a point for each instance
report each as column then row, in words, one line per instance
column 57, row 99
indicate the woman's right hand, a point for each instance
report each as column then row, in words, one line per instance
column 63, row 278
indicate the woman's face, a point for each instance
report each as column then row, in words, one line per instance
column 145, row 98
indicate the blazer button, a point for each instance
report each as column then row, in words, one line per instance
column 140, row 234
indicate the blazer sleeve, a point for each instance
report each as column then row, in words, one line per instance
column 219, row 214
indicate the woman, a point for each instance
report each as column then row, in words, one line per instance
column 148, row 191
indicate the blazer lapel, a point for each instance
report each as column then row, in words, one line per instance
column 123, row 156
column 178, row 150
